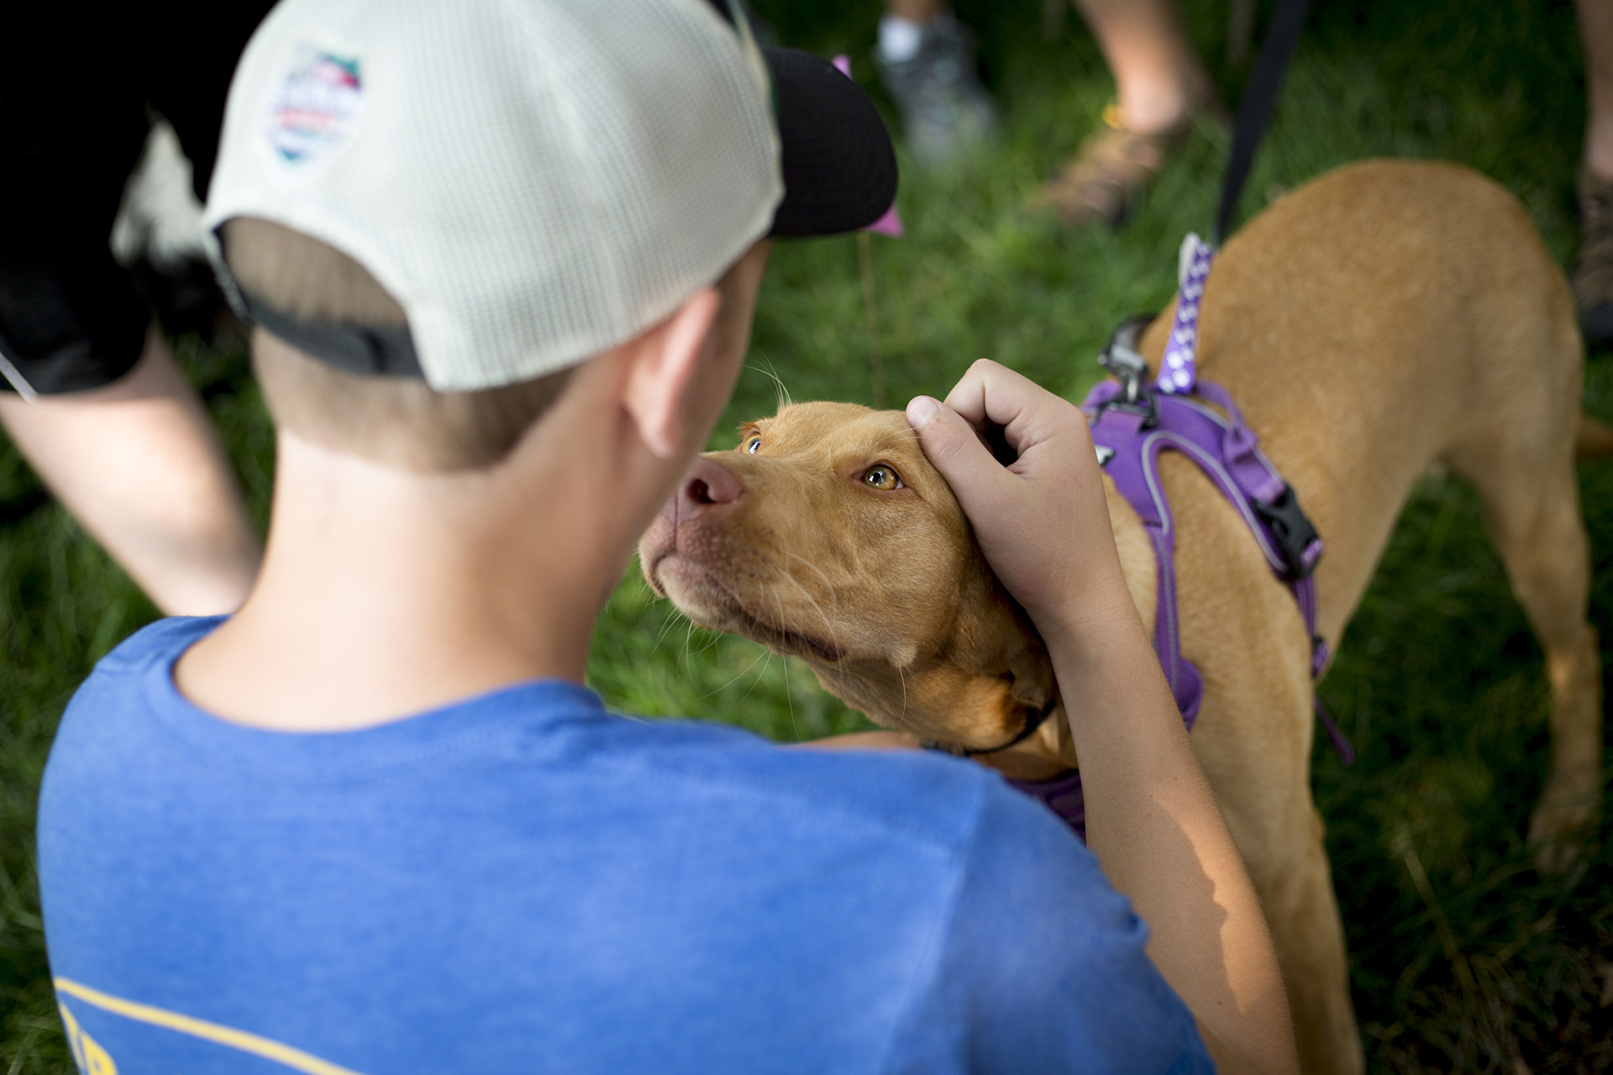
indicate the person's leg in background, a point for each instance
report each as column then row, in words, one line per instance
column 92, row 397
column 1159, row 79
column 1593, row 275
column 138, row 464
column 927, row 62
column 1160, row 86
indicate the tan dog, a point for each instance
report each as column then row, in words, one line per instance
column 1381, row 319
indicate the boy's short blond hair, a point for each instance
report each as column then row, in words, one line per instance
column 396, row 421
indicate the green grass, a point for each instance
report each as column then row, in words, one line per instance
column 1491, row 967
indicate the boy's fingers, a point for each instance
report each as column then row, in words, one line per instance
column 990, row 394
column 987, row 393
column 955, row 450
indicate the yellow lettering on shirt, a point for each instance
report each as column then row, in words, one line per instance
column 87, row 1052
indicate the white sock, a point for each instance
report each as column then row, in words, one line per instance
column 899, row 39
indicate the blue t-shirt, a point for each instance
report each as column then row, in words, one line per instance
column 524, row 882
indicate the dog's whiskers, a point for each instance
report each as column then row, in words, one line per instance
column 789, row 699
column 670, row 621
column 828, row 586
column 688, row 639
column 815, row 567
column 827, row 622
column 784, row 399
column 765, row 654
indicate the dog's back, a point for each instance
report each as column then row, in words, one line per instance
column 1385, row 318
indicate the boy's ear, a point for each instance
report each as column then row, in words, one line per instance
column 662, row 364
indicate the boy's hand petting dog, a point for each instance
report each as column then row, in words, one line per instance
column 1042, row 520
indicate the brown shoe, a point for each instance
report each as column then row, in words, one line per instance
column 1593, row 272
column 1109, row 172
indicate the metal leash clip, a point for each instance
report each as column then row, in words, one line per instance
column 1125, row 365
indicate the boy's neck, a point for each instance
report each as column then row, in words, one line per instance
column 385, row 594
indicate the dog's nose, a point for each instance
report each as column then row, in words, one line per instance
column 708, row 484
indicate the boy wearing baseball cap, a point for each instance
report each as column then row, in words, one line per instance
column 503, row 257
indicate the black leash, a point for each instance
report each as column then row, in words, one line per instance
column 1255, row 108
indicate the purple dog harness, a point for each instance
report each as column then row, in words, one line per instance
column 1131, row 425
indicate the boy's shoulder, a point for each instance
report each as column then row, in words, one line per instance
column 162, row 639
column 129, row 703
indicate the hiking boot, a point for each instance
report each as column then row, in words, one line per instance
column 1593, row 272
column 1110, row 171
column 945, row 111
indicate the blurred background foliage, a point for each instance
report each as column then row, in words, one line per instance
column 1488, row 965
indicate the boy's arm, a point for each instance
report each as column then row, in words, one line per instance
column 870, row 740
column 1043, row 524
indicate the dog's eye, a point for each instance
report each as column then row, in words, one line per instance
column 753, row 444
column 882, row 477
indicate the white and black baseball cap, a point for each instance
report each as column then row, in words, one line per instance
column 535, row 181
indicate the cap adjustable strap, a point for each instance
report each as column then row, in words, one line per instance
column 361, row 349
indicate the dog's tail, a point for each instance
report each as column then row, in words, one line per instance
column 1594, row 441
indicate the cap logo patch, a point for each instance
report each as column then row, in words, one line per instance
column 315, row 106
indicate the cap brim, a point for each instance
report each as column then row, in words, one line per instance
column 839, row 165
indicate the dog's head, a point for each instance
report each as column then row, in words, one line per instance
column 827, row 535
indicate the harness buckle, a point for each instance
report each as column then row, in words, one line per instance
column 1125, row 365
column 1294, row 534
column 1119, row 356
column 1142, row 408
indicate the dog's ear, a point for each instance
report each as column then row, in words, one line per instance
column 1029, row 667
column 994, row 637
column 1030, row 670
column 1032, row 692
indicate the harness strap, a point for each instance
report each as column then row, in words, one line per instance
column 1130, row 431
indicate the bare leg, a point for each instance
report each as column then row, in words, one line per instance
column 927, row 62
column 139, row 465
column 1593, row 268
column 913, row 10
column 1596, row 37
column 1159, row 76
column 1161, row 84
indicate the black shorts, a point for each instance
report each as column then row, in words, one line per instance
column 77, row 89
